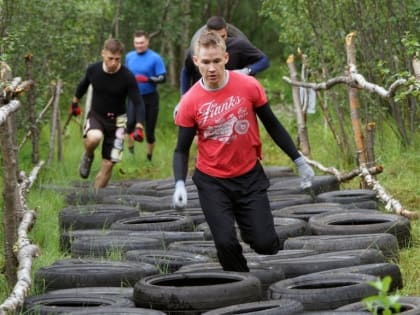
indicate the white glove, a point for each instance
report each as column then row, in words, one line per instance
column 246, row 71
column 180, row 195
column 306, row 172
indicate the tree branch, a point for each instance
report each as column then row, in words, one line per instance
column 391, row 204
column 320, row 86
column 342, row 177
column 354, row 80
column 25, row 250
column 7, row 109
column 162, row 20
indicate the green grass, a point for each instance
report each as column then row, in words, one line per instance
column 400, row 176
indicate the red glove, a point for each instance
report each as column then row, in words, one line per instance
column 75, row 109
column 137, row 134
column 142, row 78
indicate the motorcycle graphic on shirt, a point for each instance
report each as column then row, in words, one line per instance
column 227, row 128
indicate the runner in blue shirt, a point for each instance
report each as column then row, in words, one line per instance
column 149, row 70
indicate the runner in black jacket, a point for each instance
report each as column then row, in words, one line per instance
column 106, row 120
column 243, row 56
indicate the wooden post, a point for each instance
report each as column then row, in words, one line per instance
column 354, row 101
column 302, row 130
column 54, row 130
column 10, row 197
column 32, row 112
column 58, row 123
column 370, row 144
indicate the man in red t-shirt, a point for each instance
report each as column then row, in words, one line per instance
column 221, row 109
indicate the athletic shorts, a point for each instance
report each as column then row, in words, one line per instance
column 107, row 126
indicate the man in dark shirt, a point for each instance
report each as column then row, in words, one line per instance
column 106, row 120
column 243, row 56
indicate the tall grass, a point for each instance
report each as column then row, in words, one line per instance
column 400, row 176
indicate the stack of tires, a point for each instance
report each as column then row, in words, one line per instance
column 127, row 252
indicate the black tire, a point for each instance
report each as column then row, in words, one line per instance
column 363, row 205
column 196, row 291
column 144, row 187
column 289, row 227
column 365, row 256
column 278, row 201
column 88, row 195
column 144, row 203
column 362, row 222
column 167, row 190
column 206, row 248
column 324, row 183
column 168, row 237
column 148, row 203
column 104, row 246
column 278, row 171
column 285, row 228
column 291, row 185
column 93, row 216
column 272, row 307
column 294, row 267
column 385, row 242
column 155, row 223
column 267, row 274
column 169, row 187
column 91, row 273
column 167, row 261
column 196, row 214
column 281, row 254
column 285, row 185
column 324, row 291
column 158, row 187
column 67, row 237
column 347, row 196
column 62, row 303
column 120, row 291
column 117, row 311
column 410, row 305
column 199, row 267
column 380, row 270
column 305, row 211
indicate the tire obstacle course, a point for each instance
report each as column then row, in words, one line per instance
column 332, row 246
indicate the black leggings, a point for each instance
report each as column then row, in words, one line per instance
column 151, row 104
column 242, row 199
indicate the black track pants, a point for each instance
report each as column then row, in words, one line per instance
column 245, row 200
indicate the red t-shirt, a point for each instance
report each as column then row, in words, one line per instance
column 227, row 128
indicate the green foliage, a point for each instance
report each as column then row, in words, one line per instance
column 386, row 304
column 319, row 28
column 411, row 44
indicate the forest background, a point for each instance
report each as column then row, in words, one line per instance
column 61, row 38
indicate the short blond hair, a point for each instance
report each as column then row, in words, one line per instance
column 114, row 46
column 209, row 39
